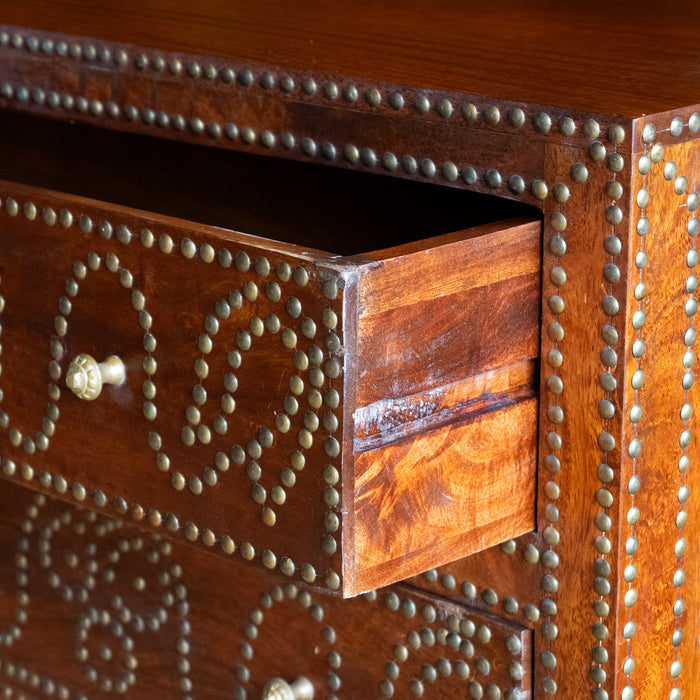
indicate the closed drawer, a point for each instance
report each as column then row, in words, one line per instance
column 91, row 607
column 347, row 419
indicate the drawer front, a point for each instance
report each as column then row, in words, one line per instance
column 228, row 400
column 239, row 425
column 92, row 607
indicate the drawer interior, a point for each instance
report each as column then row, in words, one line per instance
column 341, row 211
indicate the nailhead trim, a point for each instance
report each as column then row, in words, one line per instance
column 414, row 103
column 680, row 185
column 455, row 633
column 555, row 229
column 392, row 99
column 288, row 594
column 606, row 411
column 509, row 605
column 653, row 155
column 359, row 156
column 484, row 115
column 172, row 594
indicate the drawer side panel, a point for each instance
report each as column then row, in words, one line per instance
column 446, row 421
column 438, row 315
column 446, row 494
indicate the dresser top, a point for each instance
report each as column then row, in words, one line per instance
column 621, row 60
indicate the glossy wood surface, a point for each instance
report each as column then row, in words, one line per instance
column 410, row 340
column 441, row 138
column 458, row 488
column 659, row 479
column 444, row 400
column 626, row 60
column 157, row 432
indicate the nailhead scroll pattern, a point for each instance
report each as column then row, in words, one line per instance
column 88, row 557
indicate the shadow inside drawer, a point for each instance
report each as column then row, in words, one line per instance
column 342, row 211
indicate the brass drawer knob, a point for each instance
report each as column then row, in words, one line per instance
column 279, row 689
column 86, row 376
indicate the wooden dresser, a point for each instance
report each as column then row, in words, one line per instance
column 348, row 350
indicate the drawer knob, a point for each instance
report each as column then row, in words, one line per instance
column 279, row 689
column 86, row 376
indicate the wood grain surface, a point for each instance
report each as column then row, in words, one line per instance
column 440, row 429
column 659, row 600
column 439, row 315
column 622, row 61
column 461, row 488
column 607, row 582
column 180, row 440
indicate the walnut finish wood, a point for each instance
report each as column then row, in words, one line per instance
column 163, row 465
column 420, row 366
column 550, row 54
column 659, row 478
column 601, row 579
column 404, row 348
column 449, row 138
column 120, row 611
column 240, row 383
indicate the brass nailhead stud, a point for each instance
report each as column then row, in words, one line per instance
column 516, row 117
column 492, row 115
column 542, row 122
column 591, row 129
column 567, row 126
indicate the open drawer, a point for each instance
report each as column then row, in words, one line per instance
column 349, row 420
